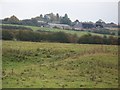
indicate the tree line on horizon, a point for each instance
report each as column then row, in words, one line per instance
column 48, row 18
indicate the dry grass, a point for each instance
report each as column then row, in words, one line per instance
column 58, row 65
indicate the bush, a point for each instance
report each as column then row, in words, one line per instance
column 6, row 35
column 59, row 37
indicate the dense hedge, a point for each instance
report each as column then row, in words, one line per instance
column 89, row 39
column 15, row 27
column 104, row 31
column 26, row 35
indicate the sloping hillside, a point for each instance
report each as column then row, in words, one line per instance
column 35, row 28
column 57, row 65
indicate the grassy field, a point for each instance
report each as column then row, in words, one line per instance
column 58, row 65
column 78, row 33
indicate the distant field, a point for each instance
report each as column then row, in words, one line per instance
column 78, row 33
column 58, row 65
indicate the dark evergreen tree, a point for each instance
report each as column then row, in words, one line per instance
column 65, row 20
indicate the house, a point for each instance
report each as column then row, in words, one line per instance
column 100, row 24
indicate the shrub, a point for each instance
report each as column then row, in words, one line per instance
column 7, row 35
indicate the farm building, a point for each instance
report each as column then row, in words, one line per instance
column 88, row 25
column 111, row 25
column 78, row 26
column 42, row 23
column 83, row 25
column 61, row 26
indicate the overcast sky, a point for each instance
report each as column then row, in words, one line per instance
column 107, row 10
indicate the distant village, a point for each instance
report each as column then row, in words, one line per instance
column 55, row 21
column 76, row 25
column 81, row 25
